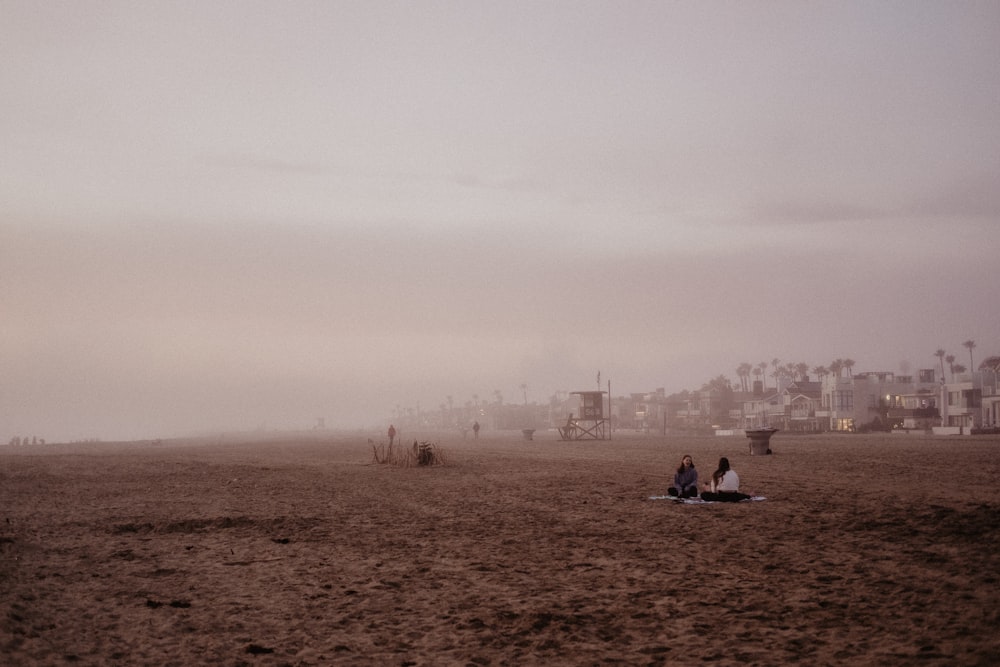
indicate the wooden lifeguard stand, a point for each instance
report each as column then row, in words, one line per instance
column 591, row 423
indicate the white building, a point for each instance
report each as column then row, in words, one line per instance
column 880, row 399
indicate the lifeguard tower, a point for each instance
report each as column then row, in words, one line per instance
column 591, row 424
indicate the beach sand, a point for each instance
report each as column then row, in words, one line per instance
column 299, row 550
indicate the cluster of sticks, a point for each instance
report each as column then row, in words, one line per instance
column 421, row 454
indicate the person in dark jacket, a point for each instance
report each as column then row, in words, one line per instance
column 685, row 479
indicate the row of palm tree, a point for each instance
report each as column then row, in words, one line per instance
column 794, row 370
column 943, row 356
column 838, row 367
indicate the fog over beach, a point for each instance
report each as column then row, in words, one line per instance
column 228, row 216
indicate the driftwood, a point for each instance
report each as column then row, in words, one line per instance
column 421, row 454
column 425, row 453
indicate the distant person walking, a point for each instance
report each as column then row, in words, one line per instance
column 392, row 434
column 475, row 430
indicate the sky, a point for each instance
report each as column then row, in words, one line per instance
column 246, row 214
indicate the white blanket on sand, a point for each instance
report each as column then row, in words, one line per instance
column 699, row 501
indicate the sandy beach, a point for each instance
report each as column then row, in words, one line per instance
column 300, row 550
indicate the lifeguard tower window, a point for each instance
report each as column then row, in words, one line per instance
column 593, row 405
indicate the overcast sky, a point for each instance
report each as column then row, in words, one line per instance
column 218, row 215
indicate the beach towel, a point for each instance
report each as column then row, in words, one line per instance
column 699, row 501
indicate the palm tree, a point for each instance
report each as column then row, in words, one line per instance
column 801, row 370
column 757, row 371
column 783, row 371
column 849, row 364
column 763, row 371
column 970, row 344
column 821, row 371
column 743, row 373
column 950, row 358
column 940, row 355
column 835, row 367
column 957, row 368
column 719, row 383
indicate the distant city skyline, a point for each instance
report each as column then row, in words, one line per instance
column 847, row 366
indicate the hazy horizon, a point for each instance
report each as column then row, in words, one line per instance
column 218, row 216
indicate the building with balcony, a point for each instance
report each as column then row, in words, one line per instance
column 972, row 401
column 802, row 402
column 879, row 400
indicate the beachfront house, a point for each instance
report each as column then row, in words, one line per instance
column 802, row 401
column 879, row 400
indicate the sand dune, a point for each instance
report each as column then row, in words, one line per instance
column 301, row 551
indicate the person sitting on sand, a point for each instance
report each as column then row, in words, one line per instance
column 725, row 485
column 685, row 480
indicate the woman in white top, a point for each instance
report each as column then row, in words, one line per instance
column 725, row 485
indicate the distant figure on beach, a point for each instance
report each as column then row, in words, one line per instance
column 569, row 430
column 685, row 479
column 725, row 485
column 475, row 430
column 392, row 434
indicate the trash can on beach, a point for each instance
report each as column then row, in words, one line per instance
column 760, row 440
